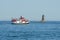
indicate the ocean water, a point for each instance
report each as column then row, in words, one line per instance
column 49, row 30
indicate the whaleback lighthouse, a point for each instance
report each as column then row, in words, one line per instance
column 42, row 18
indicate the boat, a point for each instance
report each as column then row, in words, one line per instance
column 21, row 20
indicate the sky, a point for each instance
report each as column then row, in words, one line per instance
column 30, row 9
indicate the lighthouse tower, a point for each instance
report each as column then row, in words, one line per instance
column 43, row 18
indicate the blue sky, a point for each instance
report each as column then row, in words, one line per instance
column 30, row 9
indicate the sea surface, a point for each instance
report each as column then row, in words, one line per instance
column 49, row 30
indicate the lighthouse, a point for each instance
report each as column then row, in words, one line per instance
column 43, row 18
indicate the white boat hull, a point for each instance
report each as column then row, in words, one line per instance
column 18, row 22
